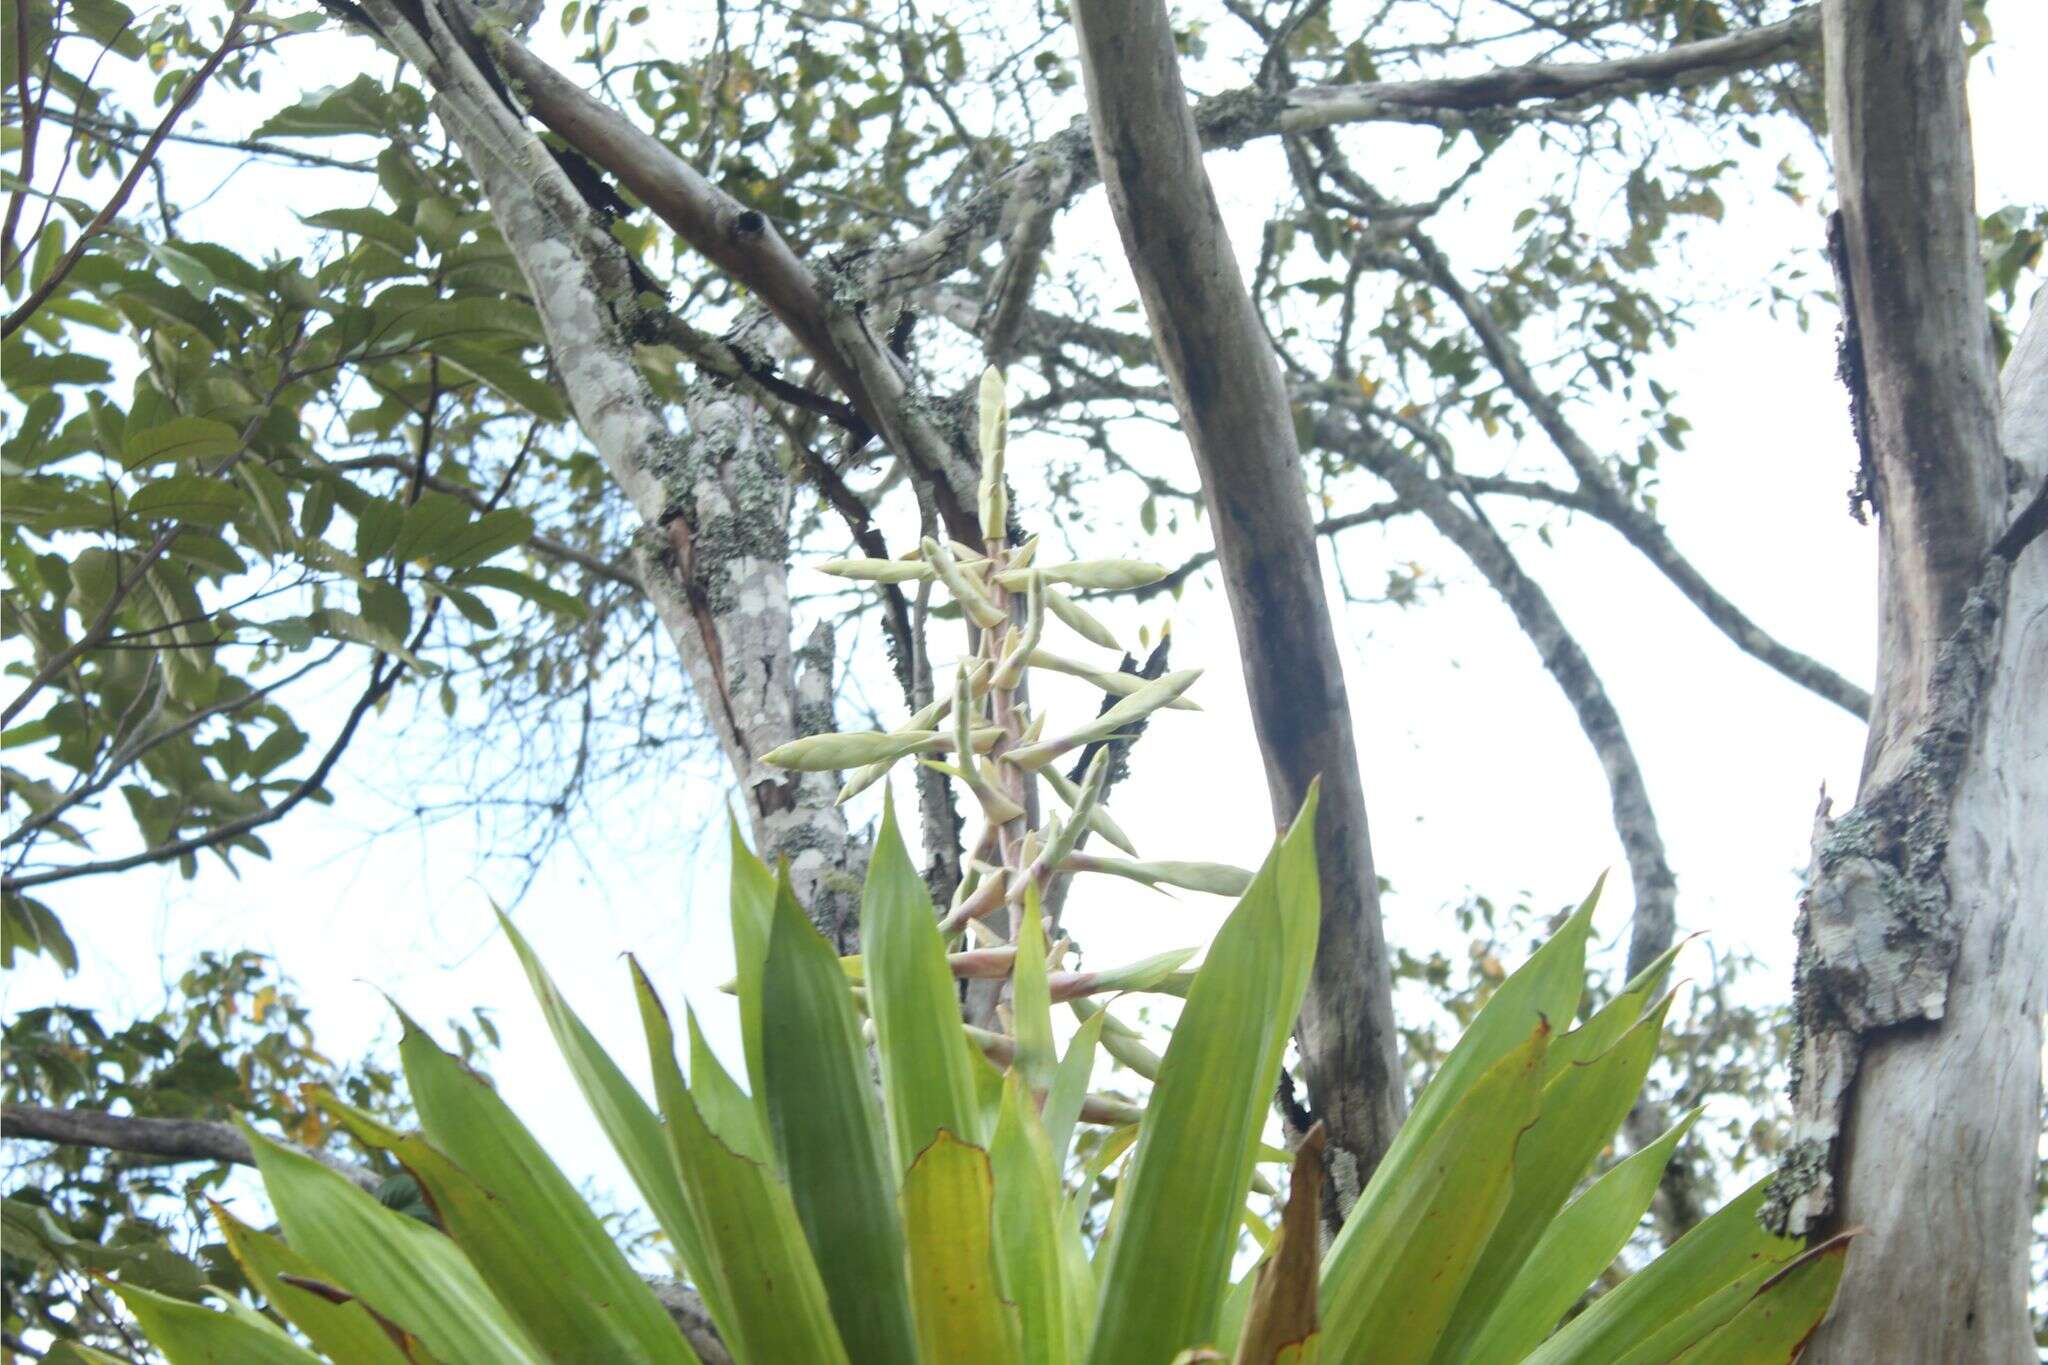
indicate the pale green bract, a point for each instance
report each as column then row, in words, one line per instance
column 940, row 1189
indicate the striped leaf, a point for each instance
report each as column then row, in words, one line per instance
column 1583, row 1106
column 758, row 1277
column 343, row 1330
column 570, row 1301
column 599, row 1302
column 631, row 1125
column 927, row 1064
column 1420, row 1238
column 1577, row 1245
column 1680, row 1297
column 189, row 1334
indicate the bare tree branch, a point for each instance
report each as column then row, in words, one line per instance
column 30, row 112
column 1026, row 235
column 173, row 1140
column 1508, row 87
column 1656, row 889
column 1610, row 503
column 1236, row 412
column 1327, row 528
column 686, row 1309
column 1236, row 117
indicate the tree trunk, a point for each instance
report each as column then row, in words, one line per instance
column 1943, row 1117
column 1234, row 405
column 713, row 503
column 1924, row 923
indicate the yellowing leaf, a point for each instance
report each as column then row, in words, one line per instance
column 948, row 1220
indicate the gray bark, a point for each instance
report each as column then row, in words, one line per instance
column 1654, row 923
column 686, row 1309
column 1559, row 83
column 819, row 308
column 1939, row 1119
column 1924, row 922
column 1235, row 409
column 167, row 1140
column 713, row 502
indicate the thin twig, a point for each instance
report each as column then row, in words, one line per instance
column 40, row 295
column 128, row 134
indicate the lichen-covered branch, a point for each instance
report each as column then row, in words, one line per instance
column 1510, row 87
column 1654, row 922
column 713, row 503
column 1923, row 942
column 824, row 311
column 1235, row 117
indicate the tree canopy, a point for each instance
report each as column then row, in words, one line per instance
column 237, row 468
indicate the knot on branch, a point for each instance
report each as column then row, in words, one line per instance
column 1236, row 117
column 1876, row 941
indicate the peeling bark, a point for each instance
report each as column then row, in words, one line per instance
column 1924, row 960
column 1924, row 923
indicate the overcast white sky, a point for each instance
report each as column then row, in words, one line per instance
column 1476, row 774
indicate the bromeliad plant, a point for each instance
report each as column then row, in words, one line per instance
column 825, row 1217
